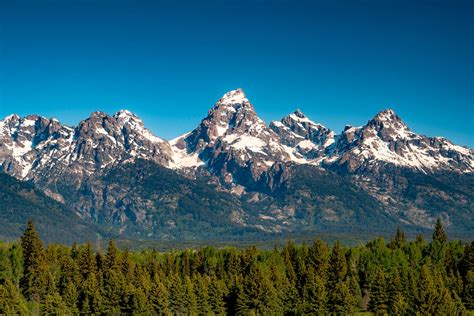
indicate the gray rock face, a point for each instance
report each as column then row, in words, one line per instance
column 42, row 150
column 309, row 140
column 387, row 140
column 233, row 142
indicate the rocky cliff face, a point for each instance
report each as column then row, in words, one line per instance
column 387, row 140
column 308, row 139
column 43, row 150
column 233, row 143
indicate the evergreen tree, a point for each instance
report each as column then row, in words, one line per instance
column 113, row 283
column 54, row 305
column 468, row 291
column 314, row 294
column 439, row 233
column 378, row 294
column 140, row 305
column 337, row 265
column 341, row 300
column 11, row 300
column 201, row 291
column 397, row 303
column 177, row 298
column 89, row 299
column 87, row 262
column 159, row 298
column 217, row 291
column 291, row 294
column 70, row 296
column 33, row 283
column 467, row 262
column 190, row 300
column 318, row 258
column 258, row 295
column 399, row 239
column 112, row 257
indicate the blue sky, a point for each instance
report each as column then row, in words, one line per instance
column 340, row 62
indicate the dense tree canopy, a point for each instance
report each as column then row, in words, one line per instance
column 399, row 277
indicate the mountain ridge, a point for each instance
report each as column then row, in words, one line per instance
column 404, row 176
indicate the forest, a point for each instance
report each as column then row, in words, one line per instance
column 396, row 277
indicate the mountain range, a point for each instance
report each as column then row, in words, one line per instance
column 234, row 176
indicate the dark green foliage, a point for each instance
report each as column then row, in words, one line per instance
column 399, row 278
column 35, row 272
column 378, row 294
column 314, row 294
column 20, row 201
column 439, row 234
column 11, row 300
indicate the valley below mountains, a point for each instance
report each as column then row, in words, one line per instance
column 231, row 178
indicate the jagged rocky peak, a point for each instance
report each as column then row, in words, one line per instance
column 22, row 137
column 233, row 97
column 233, row 113
column 389, row 126
column 34, row 145
column 307, row 138
column 232, row 142
column 387, row 139
column 127, row 118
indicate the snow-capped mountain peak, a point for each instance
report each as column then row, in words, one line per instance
column 232, row 97
column 387, row 139
column 307, row 138
column 231, row 142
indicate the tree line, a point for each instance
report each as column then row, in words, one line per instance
column 398, row 277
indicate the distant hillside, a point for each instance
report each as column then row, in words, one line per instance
column 20, row 201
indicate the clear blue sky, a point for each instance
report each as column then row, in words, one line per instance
column 169, row 61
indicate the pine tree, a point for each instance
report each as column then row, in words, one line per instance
column 378, row 294
column 291, row 295
column 190, row 300
column 11, row 300
column 201, row 291
column 337, row 265
column 419, row 239
column 54, row 305
column 232, row 263
column 397, row 303
column 126, row 266
column 439, row 233
column 33, row 283
column 467, row 262
column 70, row 296
column 176, row 289
column 468, row 291
column 341, row 300
column 113, row 281
column 87, row 262
column 217, row 291
column 111, row 257
column 69, row 273
column 428, row 294
column 318, row 258
column 90, row 300
column 139, row 302
column 314, row 294
column 399, row 239
column 258, row 295
column 159, row 298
